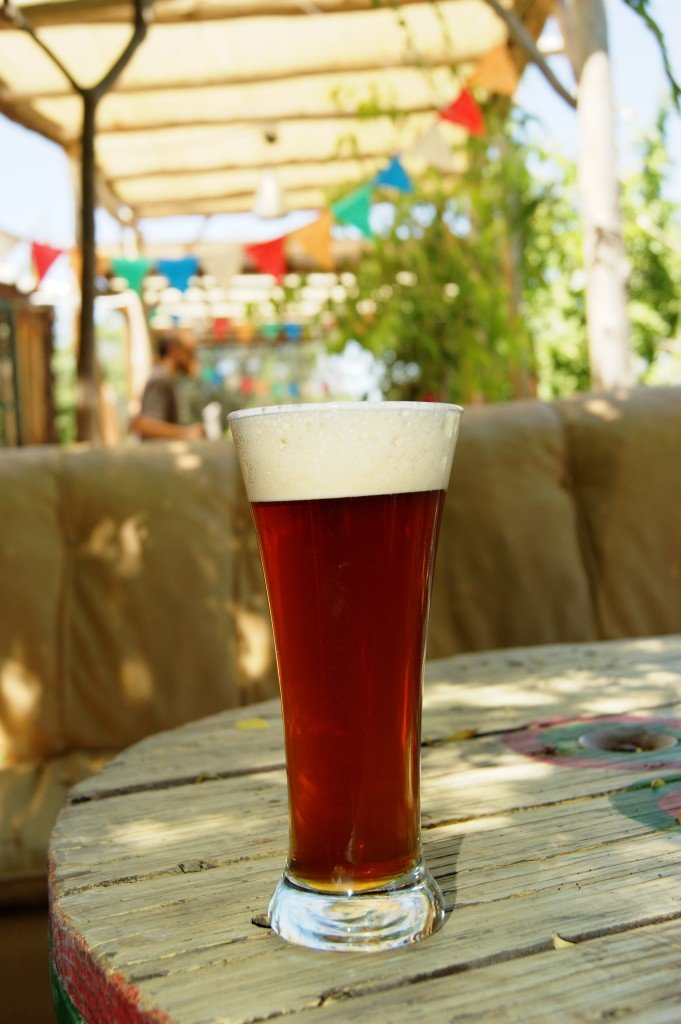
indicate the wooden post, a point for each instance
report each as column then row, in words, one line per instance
column 88, row 426
column 610, row 350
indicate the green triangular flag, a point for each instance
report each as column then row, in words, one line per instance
column 355, row 208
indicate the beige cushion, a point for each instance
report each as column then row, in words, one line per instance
column 31, row 796
column 153, row 540
column 625, row 455
column 32, row 575
column 508, row 569
column 132, row 597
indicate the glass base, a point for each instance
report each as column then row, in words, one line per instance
column 410, row 908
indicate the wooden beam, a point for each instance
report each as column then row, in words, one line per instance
column 224, row 81
column 21, row 112
column 198, row 121
column 297, row 199
column 174, row 172
column 174, row 12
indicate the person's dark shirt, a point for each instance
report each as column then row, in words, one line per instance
column 159, row 399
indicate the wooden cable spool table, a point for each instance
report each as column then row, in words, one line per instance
column 551, row 801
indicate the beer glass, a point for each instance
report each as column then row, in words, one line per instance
column 347, row 500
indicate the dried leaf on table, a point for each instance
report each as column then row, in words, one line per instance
column 247, row 724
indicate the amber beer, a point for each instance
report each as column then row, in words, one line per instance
column 347, row 502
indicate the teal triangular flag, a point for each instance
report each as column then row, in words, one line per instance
column 132, row 271
column 395, row 176
column 355, row 208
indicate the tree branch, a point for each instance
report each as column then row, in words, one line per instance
column 142, row 10
column 640, row 7
column 141, row 23
column 17, row 19
column 523, row 38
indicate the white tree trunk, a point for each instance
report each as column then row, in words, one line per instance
column 610, row 351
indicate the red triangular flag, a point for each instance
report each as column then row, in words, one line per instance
column 43, row 258
column 465, row 111
column 269, row 257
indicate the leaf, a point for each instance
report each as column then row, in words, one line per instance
column 560, row 943
column 248, row 724
column 463, row 734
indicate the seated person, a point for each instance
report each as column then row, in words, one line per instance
column 159, row 414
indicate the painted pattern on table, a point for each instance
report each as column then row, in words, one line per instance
column 91, row 992
column 568, row 741
column 64, row 1010
column 656, row 804
column 573, row 743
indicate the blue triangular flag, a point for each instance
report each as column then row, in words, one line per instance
column 179, row 271
column 395, row 176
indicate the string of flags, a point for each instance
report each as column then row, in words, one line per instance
column 354, row 208
column 496, row 72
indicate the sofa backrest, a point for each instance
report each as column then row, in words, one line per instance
column 509, row 570
column 132, row 597
column 624, row 466
column 562, row 523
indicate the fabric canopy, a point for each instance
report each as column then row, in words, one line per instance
column 221, row 89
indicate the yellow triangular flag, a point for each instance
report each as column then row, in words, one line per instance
column 496, row 71
column 314, row 240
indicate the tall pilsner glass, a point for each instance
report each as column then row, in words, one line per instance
column 347, row 500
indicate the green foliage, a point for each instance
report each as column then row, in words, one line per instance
column 652, row 228
column 437, row 297
column 64, row 371
column 478, row 288
column 554, row 298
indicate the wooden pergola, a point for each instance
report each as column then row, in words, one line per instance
column 190, row 107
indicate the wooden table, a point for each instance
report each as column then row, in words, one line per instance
column 560, row 862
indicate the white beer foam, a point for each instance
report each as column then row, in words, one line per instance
column 345, row 449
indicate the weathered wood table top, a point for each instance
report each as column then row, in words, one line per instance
column 560, row 860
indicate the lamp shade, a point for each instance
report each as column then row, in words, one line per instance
column 269, row 199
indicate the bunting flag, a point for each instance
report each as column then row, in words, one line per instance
column 132, row 271
column 394, row 176
column 355, row 209
column 434, row 150
column 7, row 242
column 496, row 71
column 220, row 328
column 43, row 257
column 314, row 240
column 179, row 271
column 269, row 257
column 224, row 264
column 466, row 112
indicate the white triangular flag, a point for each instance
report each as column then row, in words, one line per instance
column 7, row 242
column 224, row 263
column 433, row 148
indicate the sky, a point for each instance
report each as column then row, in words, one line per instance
column 36, row 191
